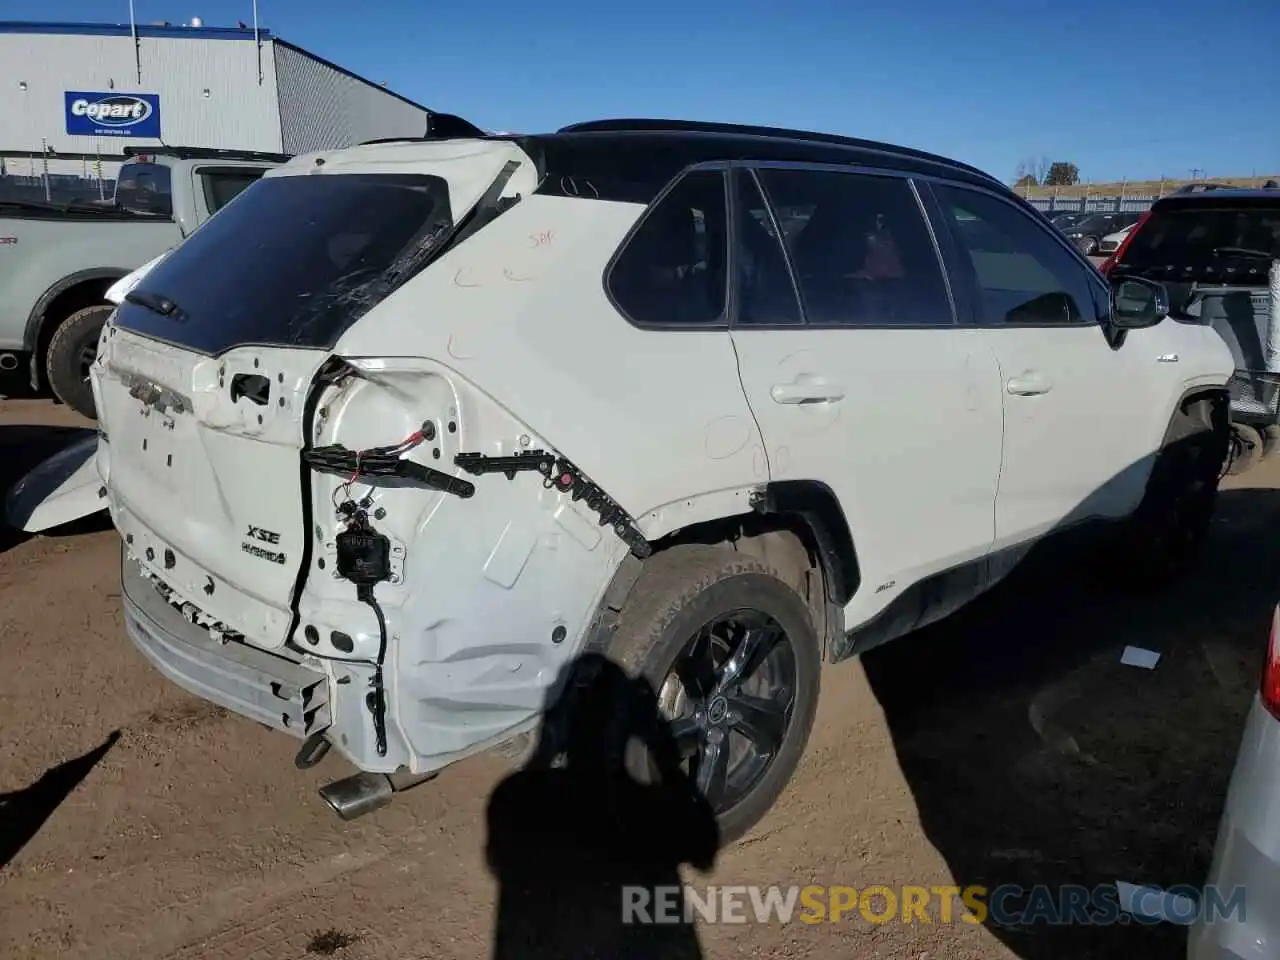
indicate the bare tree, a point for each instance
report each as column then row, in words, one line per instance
column 1032, row 171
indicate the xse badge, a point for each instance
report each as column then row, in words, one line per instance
column 264, row 536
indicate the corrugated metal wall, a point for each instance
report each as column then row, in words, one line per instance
column 208, row 88
column 322, row 107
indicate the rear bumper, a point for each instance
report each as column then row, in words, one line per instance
column 277, row 692
column 1247, row 854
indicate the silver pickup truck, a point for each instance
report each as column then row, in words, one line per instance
column 58, row 260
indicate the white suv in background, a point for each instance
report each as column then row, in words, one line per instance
column 413, row 426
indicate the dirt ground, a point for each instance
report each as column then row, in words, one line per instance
column 1007, row 745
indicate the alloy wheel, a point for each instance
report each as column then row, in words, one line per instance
column 729, row 699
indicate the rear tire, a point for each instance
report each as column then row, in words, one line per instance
column 742, row 734
column 71, row 352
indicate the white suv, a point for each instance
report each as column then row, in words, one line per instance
column 413, row 426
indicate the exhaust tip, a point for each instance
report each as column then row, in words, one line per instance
column 8, row 361
column 357, row 795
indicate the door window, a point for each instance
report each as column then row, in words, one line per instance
column 1023, row 275
column 860, row 249
column 223, row 186
column 766, row 293
column 673, row 271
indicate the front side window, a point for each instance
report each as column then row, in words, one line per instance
column 145, row 189
column 1024, row 277
column 673, row 271
column 295, row 262
column 860, row 249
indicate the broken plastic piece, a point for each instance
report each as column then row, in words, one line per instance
column 1152, row 903
column 1140, row 657
column 568, row 479
column 531, row 460
column 63, row 488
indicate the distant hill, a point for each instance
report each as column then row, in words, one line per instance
column 1140, row 188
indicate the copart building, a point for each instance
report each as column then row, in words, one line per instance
column 77, row 94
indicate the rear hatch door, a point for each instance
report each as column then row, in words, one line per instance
column 203, row 379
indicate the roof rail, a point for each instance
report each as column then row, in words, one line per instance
column 651, row 125
column 206, row 153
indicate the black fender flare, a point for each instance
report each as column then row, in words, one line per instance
column 1181, row 420
column 35, row 319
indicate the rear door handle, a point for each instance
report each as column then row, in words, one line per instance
column 1028, row 385
column 806, row 390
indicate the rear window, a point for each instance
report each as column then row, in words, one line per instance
column 295, row 263
column 1207, row 242
column 145, row 188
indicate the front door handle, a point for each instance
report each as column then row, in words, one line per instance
column 1028, row 385
column 807, row 390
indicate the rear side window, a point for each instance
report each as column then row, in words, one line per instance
column 223, row 186
column 145, row 188
column 1207, row 242
column 673, row 271
column 860, row 249
column 1024, row 276
column 295, row 263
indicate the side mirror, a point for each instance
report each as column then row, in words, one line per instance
column 1137, row 303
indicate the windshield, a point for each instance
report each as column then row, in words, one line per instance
column 145, row 188
column 294, row 262
column 1214, row 242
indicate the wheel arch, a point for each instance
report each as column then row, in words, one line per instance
column 1205, row 404
column 809, row 509
column 78, row 290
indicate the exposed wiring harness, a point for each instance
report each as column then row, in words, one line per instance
column 383, row 467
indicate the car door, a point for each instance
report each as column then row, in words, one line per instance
column 857, row 373
column 1081, row 408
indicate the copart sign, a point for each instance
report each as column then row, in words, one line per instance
column 113, row 114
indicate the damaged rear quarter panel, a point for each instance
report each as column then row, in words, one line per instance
column 514, row 329
column 489, row 593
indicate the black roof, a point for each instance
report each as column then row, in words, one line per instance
column 206, row 153
column 633, row 159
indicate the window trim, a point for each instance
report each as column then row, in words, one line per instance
column 739, row 172
column 1091, row 275
column 721, row 167
column 754, row 166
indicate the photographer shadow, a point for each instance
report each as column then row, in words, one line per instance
column 574, row 836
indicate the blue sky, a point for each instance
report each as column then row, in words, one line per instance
column 1121, row 89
